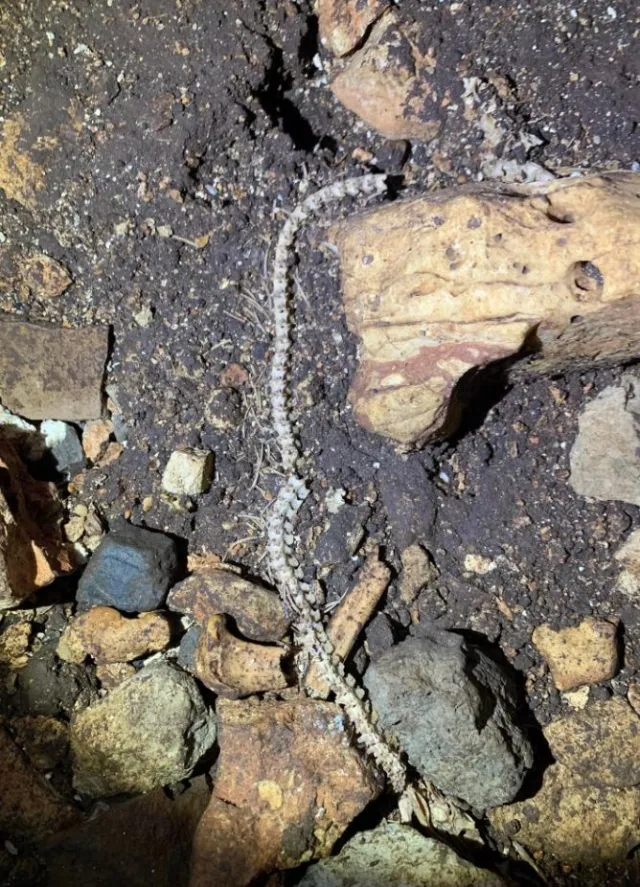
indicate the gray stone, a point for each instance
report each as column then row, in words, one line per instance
column 604, row 457
column 187, row 648
column 343, row 536
column 63, row 443
column 132, row 570
column 394, row 855
column 150, row 730
column 451, row 708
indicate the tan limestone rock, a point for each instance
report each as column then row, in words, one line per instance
column 288, row 785
column 600, row 744
column 107, row 636
column 44, row 277
column 390, row 82
column 343, row 23
column 585, row 654
column 210, row 591
column 441, row 286
column 628, row 555
column 232, row 667
column 21, row 177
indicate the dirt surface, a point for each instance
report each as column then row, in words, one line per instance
column 175, row 135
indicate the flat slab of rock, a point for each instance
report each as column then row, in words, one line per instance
column 132, row 570
column 443, row 285
column 150, row 730
column 211, row 591
column 586, row 813
column 288, row 784
column 452, row 710
column 628, row 556
column 394, row 855
column 604, row 457
column 585, row 654
column 52, row 372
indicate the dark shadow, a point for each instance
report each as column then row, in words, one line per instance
column 281, row 111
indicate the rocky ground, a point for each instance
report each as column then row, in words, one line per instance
column 150, row 154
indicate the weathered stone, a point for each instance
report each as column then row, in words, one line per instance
column 212, row 591
column 150, row 730
column 95, row 438
column 44, row 740
column 585, row 654
column 288, row 784
column 29, row 808
column 142, row 842
column 232, row 667
column 44, row 278
column 604, row 456
column 107, row 636
column 344, row 23
column 131, row 570
column 188, row 647
column 452, row 709
column 15, row 641
column 628, row 555
column 573, row 821
column 52, row 372
column 343, row 536
column 600, row 744
column 188, row 472
column 390, row 83
column 32, row 551
column 394, row 855
column 63, row 443
column 442, row 285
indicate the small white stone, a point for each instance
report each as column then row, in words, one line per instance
column 476, row 563
column 188, row 472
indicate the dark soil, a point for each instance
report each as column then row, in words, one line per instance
column 214, row 119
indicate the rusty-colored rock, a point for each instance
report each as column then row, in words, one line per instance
column 585, row 654
column 343, row 23
column 232, row 667
column 52, row 372
column 390, row 82
column 288, row 785
column 212, row 591
column 32, row 551
column 441, row 286
column 29, row 808
column 95, row 438
column 107, row 636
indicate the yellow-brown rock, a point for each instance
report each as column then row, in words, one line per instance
column 212, row 591
column 585, row 654
column 288, row 785
column 390, row 82
column 32, row 551
column 113, row 673
column 107, row 636
column 441, row 286
column 232, row 667
column 600, row 744
column 45, row 740
column 21, row 177
column 343, row 23
column 587, row 812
